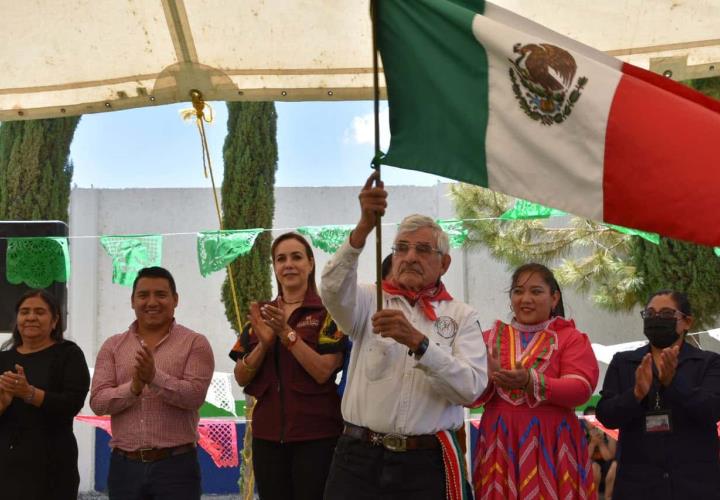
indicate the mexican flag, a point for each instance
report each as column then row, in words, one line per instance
column 481, row 95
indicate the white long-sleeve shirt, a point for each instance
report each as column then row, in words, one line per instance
column 387, row 390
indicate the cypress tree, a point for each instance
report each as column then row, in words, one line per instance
column 35, row 172
column 248, row 201
column 686, row 267
column 708, row 86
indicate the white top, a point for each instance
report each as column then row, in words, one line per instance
column 387, row 390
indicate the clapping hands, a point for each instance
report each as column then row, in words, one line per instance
column 666, row 364
column 274, row 317
column 14, row 384
column 144, row 369
column 265, row 334
column 516, row 378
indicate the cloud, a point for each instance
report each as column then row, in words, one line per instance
column 362, row 129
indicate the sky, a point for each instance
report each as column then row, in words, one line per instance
column 319, row 144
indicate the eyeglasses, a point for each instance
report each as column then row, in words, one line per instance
column 666, row 313
column 422, row 249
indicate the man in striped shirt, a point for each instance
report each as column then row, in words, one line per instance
column 151, row 380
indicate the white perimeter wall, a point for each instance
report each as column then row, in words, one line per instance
column 98, row 308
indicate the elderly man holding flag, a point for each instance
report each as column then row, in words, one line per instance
column 414, row 364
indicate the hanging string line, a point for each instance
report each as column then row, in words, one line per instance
column 199, row 105
column 194, row 233
column 271, row 230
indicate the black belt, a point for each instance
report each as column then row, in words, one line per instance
column 154, row 454
column 392, row 441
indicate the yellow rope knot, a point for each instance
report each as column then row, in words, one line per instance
column 198, row 111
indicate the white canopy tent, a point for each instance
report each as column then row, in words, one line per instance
column 64, row 57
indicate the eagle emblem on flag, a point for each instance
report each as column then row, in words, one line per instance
column 544, row 83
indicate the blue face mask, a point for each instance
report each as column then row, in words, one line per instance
column 661, row 332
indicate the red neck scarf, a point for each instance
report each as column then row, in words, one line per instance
column 425, row 296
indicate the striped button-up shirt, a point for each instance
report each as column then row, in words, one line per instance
column 165, row 414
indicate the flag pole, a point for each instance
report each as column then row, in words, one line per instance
column 376, row 158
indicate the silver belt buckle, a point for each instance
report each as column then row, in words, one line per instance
column 142, row 454
column 394, row 442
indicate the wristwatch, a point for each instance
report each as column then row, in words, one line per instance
column 291, row 338
column 421, row 348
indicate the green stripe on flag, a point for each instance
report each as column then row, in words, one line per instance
column 430, row 56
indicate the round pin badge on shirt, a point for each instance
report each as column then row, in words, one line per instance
column 446, row 327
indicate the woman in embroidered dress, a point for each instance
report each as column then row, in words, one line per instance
column 541, row 367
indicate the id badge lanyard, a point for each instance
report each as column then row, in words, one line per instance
column 657, row 419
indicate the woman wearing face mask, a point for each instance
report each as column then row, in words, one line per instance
column 541, row 367
column 665, row 399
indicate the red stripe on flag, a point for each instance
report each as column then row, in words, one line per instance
column 661, row 170
column 671, row 86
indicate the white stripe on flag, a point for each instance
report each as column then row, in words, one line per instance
column 534, row 161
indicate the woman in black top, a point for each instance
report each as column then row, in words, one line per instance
column 43, row 383
column 665, row 399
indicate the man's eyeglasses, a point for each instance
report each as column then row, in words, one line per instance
column 422, row 249
column 662, row 313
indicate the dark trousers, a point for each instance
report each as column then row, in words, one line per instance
column 292, row 471
column 173, row 478
column 360, row 471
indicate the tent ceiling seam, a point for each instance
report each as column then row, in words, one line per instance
column 154, row 76
column 663, row 48
column 179, row 27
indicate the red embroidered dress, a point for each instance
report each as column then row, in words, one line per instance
column 531, row 445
